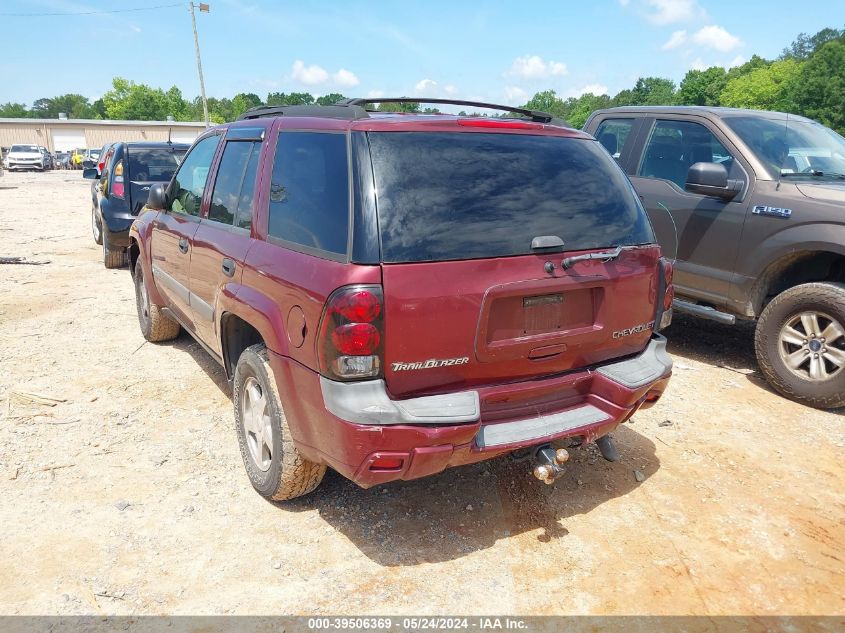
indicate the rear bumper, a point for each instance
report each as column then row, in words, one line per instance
column 350, row 426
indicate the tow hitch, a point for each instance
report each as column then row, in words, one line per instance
column 550, row 463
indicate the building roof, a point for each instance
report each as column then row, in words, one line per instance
column 105, row 122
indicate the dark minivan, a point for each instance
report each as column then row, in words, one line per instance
column 126, row 173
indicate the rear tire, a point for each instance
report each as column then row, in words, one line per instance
column 111, row 258
column 800, row 344
column 155, row 326
column 275, row 467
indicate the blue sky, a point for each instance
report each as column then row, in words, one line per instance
column 501, row 52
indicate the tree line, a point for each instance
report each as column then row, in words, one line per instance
column 808, row 78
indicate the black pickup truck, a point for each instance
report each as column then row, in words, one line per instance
column 751, row 205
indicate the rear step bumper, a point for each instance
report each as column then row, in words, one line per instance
column 354, row 427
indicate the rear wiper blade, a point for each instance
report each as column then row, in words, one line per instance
column 605, row 257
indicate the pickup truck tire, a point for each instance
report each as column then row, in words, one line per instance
column 817, row 375
column 155, row 326
column 96, row 227
column 274, row 466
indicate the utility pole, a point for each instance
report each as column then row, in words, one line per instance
column 204, row 8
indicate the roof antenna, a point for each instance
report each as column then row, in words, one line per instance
column 169, row 130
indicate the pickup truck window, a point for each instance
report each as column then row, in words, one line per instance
column 675, row 145
column 309, row 191
column 235, row 184
column 613, row 133
column 185, row 191
column 793, row 148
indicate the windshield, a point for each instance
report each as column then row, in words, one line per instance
column 24, row 148
column 444, row 196
column 153, row 165
column 94, row 153
column 792, row 148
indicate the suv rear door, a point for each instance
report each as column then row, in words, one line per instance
column 223, row 237
column 467, row 301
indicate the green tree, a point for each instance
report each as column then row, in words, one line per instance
column 294, row 98
column 399, row 107
column 330, row 99
column 548, row 101
column 702, row 87
column 128, row 100
column 75, row 106
column 177, row 107
column 653, row 91
column 14, row 111
column 819, row 89
column 805, row 45
column 581, row 108
column 244, row 101
column 766, row 88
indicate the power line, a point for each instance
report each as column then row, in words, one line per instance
column 41, row 15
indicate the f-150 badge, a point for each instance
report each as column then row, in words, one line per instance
column 776, row 212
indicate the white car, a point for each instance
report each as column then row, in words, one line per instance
column 25, row 157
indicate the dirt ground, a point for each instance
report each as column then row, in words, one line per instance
column 128, row 496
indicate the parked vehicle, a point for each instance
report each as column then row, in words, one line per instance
column 96, row 185
column 500, row 293
column 751, row 205
column 121, row 183
column 62, row 160
column 26, row 157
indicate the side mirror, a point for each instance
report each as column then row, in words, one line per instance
column 711, row 179
column 157, row 198
column 90, row 173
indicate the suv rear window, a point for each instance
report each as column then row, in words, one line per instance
column 153, row 165
column 446, row 196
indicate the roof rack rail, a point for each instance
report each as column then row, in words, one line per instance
column 348, row 112
column 535, row 115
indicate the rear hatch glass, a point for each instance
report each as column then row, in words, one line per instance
column 467, row 302
column 445, row 196
column 148, row 165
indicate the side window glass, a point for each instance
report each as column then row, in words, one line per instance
column 675, row 145
column 243, row 218
column 309, row 191
column 225, row 198
column 185, row 192
column 613, row 134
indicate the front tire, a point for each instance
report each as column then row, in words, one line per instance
column 155, row 326
column 800, row 344
column 275, row 467
column 96, row 227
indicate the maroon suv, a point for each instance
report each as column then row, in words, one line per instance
column 392, row 295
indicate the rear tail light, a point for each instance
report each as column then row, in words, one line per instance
column 667, row 272
column 118, row 187
column 351, row 341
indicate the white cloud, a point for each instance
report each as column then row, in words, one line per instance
column 345, row 78
column 717, row 38
column 515, row 93
column 739, row 60
column 698, row 64
column 450, row 90
column 135, row 28
column 535, row 67
column 677, row 38
column 595, row 89
column 309, row 75
column 670, row 11
column 375, row 94
column 425, row 86
column 624, row 3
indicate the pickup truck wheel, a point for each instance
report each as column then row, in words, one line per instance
column 800, row 344
column 155, row 326
column 275, row 468
column 96, row 228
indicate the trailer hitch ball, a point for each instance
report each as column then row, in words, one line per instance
column 550, row 464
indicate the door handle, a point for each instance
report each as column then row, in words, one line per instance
column 183, row 245
column 228, row 267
